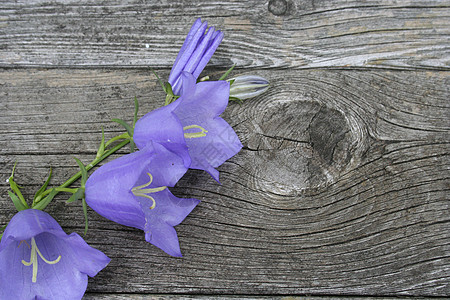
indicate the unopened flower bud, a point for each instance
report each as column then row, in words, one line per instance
column 248, row 86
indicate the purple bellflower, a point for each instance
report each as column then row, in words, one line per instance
column 198, row 48
column 193, row 121
column 133, row 191
column 39, row 261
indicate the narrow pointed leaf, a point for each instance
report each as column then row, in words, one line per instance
column 127, row 127
column 15, row 187
column 170, row 95
column 42, row 189
column 41, row 205
column 101, row 149
column 85, row 215
column 83, row 172
column 79, row 194
column 224, row 76
column 16, row 190
column 136, row 110
column 17, row 203
column 169, row 89
column 159, row 80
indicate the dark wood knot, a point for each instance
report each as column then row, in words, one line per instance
column 278, row 7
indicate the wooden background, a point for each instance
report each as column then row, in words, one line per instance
column 341, row 187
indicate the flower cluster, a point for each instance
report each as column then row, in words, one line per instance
column 39, row 261
column 187, row 133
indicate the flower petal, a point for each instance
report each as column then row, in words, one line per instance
column 109, row 188
column 184, row 58
column 199, row 51
column 214, row 43
column 189, row 37
column 195, row 53
column 219, row 144
column 162, row 126
column 27, row 224
column 206, row 99
column 63, row 262
column 201, row 104
column 168, row 212
column 89, row 260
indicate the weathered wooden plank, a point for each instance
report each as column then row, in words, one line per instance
column 262, row 34
column 91, row 296
column 341, row 188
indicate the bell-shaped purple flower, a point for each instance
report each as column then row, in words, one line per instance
column 163, row 127
column 210, row 140
column 198, row 48
column 133, row 191
column 39, row 261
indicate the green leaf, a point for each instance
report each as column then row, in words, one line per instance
column 79, row 194
column 16, row 188
column 136, row 110
column 41, row 205
column 42, row 189
column 224, row 76
column 129, row 130
column 84, row 175
column 169, row 90
column 14, row 168
column 159, row 80
column 127, row 127
column 171, row 97
column 17, row 203
column 85, row 215
column 101, row 149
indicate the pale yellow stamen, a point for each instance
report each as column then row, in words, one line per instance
column 34, row 261
column 141, row 191
column 190, row 135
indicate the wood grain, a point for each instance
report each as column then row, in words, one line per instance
column 258, row 34
column 341, row 188
column 91, row 296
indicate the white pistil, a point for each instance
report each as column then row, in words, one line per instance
column 141, row 191
column 190, row 135
column 33, row 259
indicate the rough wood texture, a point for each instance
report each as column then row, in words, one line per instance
column 92, row 296
column 342, row 186
column 259, row 34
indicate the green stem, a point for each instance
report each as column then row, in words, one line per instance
column 67, row 190
column 119, row 137
column 88, row 167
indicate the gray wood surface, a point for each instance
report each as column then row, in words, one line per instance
column 342, row 186
column 259, row 34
